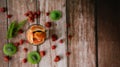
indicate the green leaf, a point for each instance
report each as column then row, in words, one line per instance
column 14, row 28
column 21, row 24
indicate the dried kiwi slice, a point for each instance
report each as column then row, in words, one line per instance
column 55, row 15
column 9, row 49
column 33, row 57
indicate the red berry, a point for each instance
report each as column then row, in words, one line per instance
column 24, row 60
column 3, row 9
column 61, row 41
column 9, row 16
column 38, row 13
column 69, row 36
column 53, row 47
column 20, row 31
column 25, row 49
column 30, row 12
column 16, row 44
column 54, row 37
column 42, row 53
column 26, row 14
column 31, row 19
column 68, row 25
column 57, row 58
column 47, row 13
column 48, row 24
column 6, row 58
column 21, row 42
column 68, row 53
column 35, row 15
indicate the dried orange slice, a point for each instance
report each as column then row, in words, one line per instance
column 36, row 34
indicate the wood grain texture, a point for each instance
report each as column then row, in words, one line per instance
column 80, row 15
column 18, row 8
column 108, row 33
column 3, row 29
column 47, row 59
column 59, row 28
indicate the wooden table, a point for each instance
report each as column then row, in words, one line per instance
column 93, row 24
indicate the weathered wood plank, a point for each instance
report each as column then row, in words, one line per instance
column 80, row 15
column 47, row 59
column 108, row 33
column 18, row 8
column 3, row 29
column 58, row 28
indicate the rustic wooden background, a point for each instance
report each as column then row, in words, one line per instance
column 94, row 25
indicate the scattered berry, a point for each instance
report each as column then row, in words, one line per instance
column 61, row 41
column 53, row 47
column 68, row 53
column 9, row 16
column 38, row 13
column 20, row 31
column 54, row 37
column 48, row 24
column 35, row 15
column 30, row 13
column 26, row 14
column 68, row 25
column 57, row 58
column 69, row 36
column 25, row 49
column 24, row 60
column 21, row 42
column 31, row 19
column 16, row 44
column 47, row 13
column 42, row 53
column 6, row 58
column 30, row 16
column 3, row 9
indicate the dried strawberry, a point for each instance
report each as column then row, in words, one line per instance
column 24, row 60
column 20, row 31
column 68, row 53
column 61, row 41
column 6, row 58
column 21, row 42
column 9, row 16
column 54, row 37
column 25, row 49
column 48, row 24
column 47, row 13
column 53, row 47
column 57, row 58
column 42, row 53
column 3, row 9
column 16, row 44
